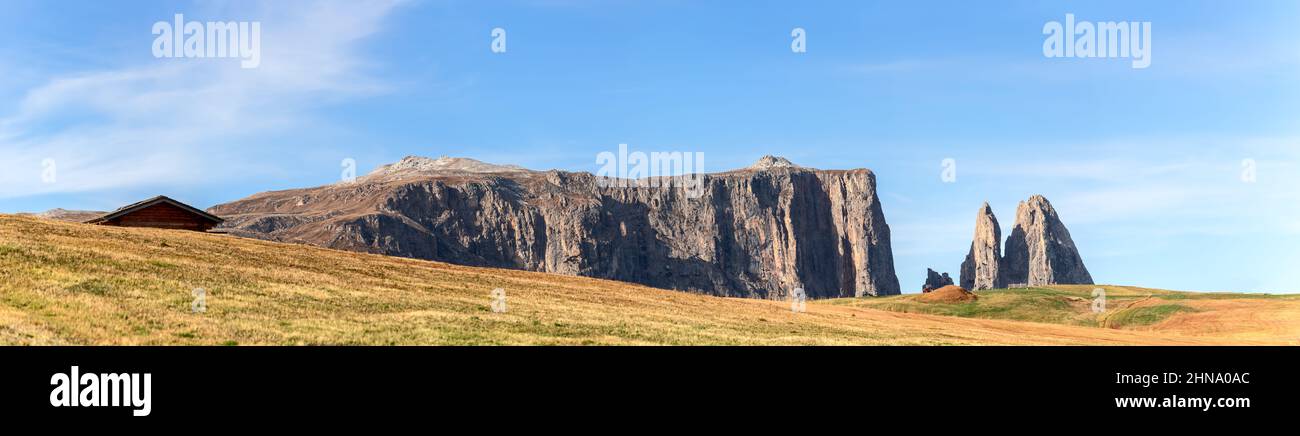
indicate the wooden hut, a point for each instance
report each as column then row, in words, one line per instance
column 159, row 212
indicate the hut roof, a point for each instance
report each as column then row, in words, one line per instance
column 152, row 201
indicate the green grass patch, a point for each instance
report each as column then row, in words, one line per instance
column 1046, row 305
column 1066, row 305
column 10, row 249
column 1146, row 315
column 93, row 286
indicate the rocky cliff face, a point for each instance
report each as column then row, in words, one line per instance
column 1039, row 250
column 981, row 270
column 757, row 232
column 933, row 280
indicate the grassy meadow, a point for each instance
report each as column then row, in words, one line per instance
column 66, row 283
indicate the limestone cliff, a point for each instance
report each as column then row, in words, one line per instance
column 980, row 270
column 1040, row 250
column 756, row 232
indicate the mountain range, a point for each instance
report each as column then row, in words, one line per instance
column 763, row 231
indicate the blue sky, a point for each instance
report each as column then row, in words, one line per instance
column 1144, row 165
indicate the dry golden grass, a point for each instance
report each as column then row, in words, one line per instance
column 63, row 283
column 1221, row 318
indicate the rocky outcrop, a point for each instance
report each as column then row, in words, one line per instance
column 768, row 162
column 58, row 214
column 933, row 280
column 757, row 232
column 981, row 269
column 1039, row 249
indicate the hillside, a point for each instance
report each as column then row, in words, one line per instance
column 1224, row 316
column 64, row 283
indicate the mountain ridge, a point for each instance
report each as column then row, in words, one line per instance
column 762, row 232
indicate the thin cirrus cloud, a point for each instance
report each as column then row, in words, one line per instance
column 149, row 123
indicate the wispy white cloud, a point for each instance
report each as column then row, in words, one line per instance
column 1100, row 169
column 1132, row 203
column 1205, row 55
column 159, row 122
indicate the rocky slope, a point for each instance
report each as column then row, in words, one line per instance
column 75, row 216
column 980, row 270
column 756, row 232
column 1040, row 250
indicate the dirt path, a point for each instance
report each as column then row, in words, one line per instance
column 1105, row 321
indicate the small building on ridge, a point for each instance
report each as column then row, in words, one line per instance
column 159, row 212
